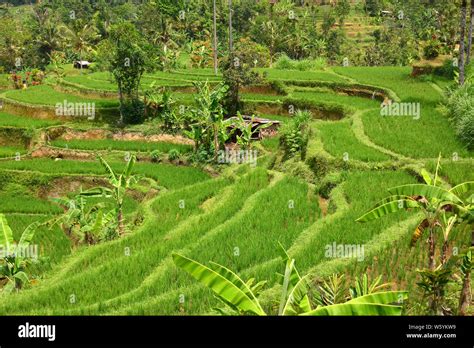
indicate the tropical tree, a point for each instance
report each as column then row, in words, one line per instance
column 14, row 259
column 128, row 56
column 45, row 32
column 443, row 210
column 242, row 297
column 80, row 37
column 120, row 183
column 237, row 74
column 432, row 200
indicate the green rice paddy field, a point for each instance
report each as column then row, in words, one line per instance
column 236, row 216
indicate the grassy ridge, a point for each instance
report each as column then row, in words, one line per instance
column 168, row 176
column 46, row 95
column 121, row 145
column 146, row 254
column 53, row 243
column 11, row 151
column 338, row 139
column 410, row 137
column 9, row 120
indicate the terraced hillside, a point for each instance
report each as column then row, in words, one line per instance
column 235, row 215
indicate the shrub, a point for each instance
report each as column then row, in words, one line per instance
column 173, row 155
column 447, row 70
column 432, row 49
column 252, row 53
column 286, row 63
column 155, row 156
column 329, row 182
column 133, row 111
column 298, row 169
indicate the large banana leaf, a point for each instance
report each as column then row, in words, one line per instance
column 430, row 192
column 110, row 171
column 379, row 303
column 463, row 188
column 27, row 236
column 234, row 278
column 6, row 234
column 389, row 207
column 382, row 297
column 295, row 278
column 222, row 286
column 284, row 288
column 356, row 309
column 128, row 170
column 298, row 297
column 97, row 192
column 22, row 277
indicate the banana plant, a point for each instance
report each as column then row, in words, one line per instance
column 247, row 130
column 120, row 183
column 435, row 202
column 294, row 297
column 84, row 224
column 207, row 119
column 14, row 259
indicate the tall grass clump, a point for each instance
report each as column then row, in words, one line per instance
column 460, row 110
column 286, row 63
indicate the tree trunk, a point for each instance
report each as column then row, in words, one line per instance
column 120, row 221
column 431, row 250
column 465, row 298
column 215, row 37
column 216, row 143
column 444, row 252
column 121, row 103
column 80, row 59
column 231, row 39
column 469, row 35
column 462, row 42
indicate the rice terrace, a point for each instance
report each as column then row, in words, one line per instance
column 236, row 157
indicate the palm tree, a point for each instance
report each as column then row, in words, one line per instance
column 14, row 260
